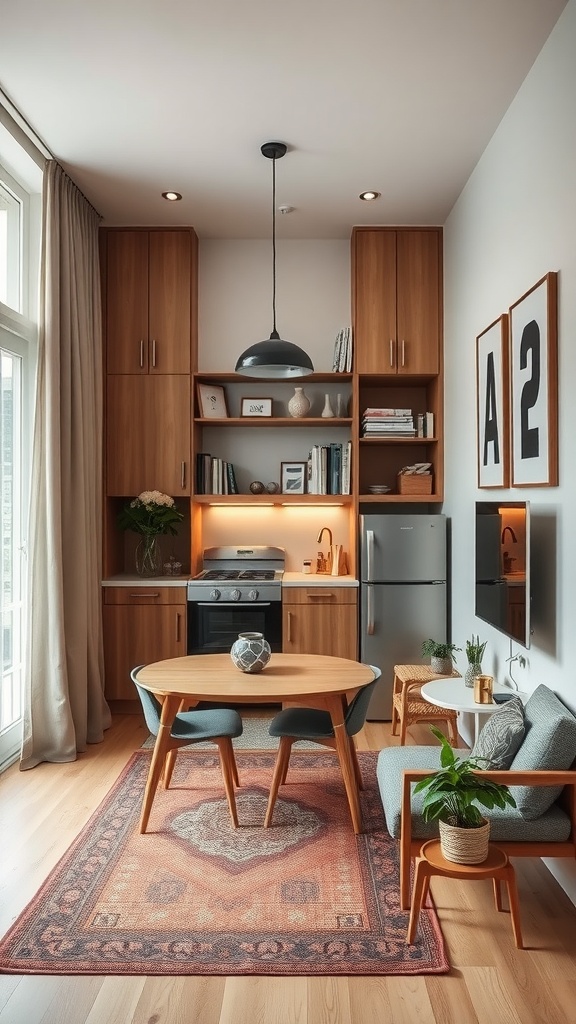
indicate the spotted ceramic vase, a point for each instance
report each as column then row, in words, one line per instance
column 250, row 652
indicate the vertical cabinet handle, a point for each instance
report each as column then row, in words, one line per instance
column 370, row 611
column 403, row 351
column 177, row 627
column 183, row 475
column 141, row 353
column 154, row 352
column 391, row 351
column 369, row 555
column 289, row 623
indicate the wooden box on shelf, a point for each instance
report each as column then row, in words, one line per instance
column 414, row 483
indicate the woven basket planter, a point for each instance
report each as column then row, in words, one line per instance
column 442, row 666
column 464, row 845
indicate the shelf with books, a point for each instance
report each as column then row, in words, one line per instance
column 273, row 421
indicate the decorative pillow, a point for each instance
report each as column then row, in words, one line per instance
column 549, row 745
column 500, row 738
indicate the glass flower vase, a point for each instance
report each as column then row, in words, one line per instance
column 148, row 556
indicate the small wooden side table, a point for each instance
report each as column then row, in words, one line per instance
column 410, row 706
column 496, row 866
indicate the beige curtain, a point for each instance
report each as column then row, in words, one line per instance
column 64, row 695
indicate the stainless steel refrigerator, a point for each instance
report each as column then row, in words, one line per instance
column 403, row 594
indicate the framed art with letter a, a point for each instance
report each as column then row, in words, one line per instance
column 534, row 385
column 492, row 418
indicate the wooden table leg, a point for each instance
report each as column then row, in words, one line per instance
column 343, row 750
column 510, row 879
column 421, row 883
column 161, row 748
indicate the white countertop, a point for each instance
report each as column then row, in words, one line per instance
column 132, row 580
column 312, row 579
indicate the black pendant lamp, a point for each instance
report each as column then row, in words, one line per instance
column 274, row 358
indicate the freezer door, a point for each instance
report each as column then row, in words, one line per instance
column 394, row 620
column 403, row 548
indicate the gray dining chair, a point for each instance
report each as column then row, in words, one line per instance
column 312, row 724
column 219, row 724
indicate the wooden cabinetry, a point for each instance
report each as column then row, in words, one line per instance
column 150, row 300
column 141, row 625
column 320, row 620
column 397, row 296
column 148, row 434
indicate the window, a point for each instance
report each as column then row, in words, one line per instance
column 19, row 252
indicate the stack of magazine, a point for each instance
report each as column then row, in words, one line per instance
column 342, row 362
column 214, row 476
column 378, row 422
column 329, row 468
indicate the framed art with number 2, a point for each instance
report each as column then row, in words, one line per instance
column 534, row 385
column 492, row 419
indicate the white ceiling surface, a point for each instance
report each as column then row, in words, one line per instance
column 134, row 97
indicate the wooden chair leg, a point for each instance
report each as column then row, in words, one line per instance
column 169, row 767
column 394, row 711
column 453, row 730
column 421, row 878
column 403, row 726
column 279, row 775
column 226, row 761
column 510, row 878
column 355, row 765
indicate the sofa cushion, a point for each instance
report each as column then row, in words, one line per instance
column 502, row 735
column 549, row 745
column 506, row 825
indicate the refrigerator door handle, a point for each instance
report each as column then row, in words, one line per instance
column 369, row 554
column 370, row 611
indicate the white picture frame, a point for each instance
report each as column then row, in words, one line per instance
column 256, row 407
column 534, row 385
column 293, row 477
column 492, row 405
column 212, row 402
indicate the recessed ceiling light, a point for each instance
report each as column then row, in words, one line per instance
column 173, row 197
column 369, row 196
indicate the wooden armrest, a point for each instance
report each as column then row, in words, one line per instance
column 505, row 776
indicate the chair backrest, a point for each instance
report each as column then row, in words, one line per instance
column 358, row 709
column 150, row 706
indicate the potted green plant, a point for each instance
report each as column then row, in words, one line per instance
column 442, row 656
column 474, row 653
column 451, row 796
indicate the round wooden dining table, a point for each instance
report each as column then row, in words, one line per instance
column 310, row 680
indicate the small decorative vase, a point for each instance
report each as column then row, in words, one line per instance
column 464, row 845
column 341, row 409
column 474, row 669
column 299, row 404
column 327, row 411
column 148, row 556
column 250, row 652
column 441, row 666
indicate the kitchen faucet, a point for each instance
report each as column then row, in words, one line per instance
column 323, row 564
column 511, row 532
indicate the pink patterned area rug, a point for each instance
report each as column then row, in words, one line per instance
column 195, row 896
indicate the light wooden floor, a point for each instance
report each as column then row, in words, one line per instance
column 491, row 982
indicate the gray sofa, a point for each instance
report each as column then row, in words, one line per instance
column 541, row 776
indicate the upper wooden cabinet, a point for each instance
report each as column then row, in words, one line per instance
column 151, row 300
column 397, row 300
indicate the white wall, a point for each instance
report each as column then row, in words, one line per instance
column 514, row 221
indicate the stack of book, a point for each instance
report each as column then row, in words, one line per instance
column 342, row 362
column 329, row 468
column 388, row 423
column 214, row 476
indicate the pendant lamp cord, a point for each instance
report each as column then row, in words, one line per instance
column 274, row 246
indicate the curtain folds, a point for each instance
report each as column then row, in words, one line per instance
column 64, row 705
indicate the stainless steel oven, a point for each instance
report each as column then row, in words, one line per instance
column 238, row 591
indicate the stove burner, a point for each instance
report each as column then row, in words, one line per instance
column 238, row 574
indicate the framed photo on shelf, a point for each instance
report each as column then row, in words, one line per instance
column 293, row 477
column 256, row 407
column 492, row 405
column 212, row 401
column 534, row 385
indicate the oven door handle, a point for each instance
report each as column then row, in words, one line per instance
column 231, row 604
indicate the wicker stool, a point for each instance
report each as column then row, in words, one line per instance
column 409, row 706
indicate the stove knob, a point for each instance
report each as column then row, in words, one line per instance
column 235, row 595
column 214, row 595
column 253, row 595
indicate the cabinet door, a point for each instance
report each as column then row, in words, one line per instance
column 127, row 302
column 375, row 301
column 418, row 301
column 138, row 635
column 148, row 434
column 320, row 629
column 169, row 301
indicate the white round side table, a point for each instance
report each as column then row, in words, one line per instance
column 454, row 694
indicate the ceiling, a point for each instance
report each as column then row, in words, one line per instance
column 135, row 97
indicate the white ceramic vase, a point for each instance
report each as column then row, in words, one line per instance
column 327, row 411
column 250, row 652
column 299, row 404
